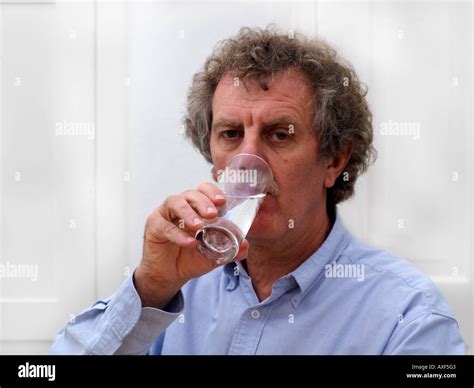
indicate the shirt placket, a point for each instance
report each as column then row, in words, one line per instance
column 249, row 329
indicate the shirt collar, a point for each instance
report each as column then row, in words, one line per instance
column 232, row 272
column 311, row 269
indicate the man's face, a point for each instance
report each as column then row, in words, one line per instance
column 276, row 125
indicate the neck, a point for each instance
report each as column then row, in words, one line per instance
column 268, row 261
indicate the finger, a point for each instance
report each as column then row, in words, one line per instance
column 201, row 203
column 163, row 231
column 176, row 207
column 215, row 194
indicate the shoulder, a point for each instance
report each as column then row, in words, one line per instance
column 400, row 298
column 398, row 281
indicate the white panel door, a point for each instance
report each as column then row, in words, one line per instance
column 47, row 169
column 64, row 165
column 416, row 200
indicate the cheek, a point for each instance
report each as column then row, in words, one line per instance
column 299, row 172
column 218, row 158
column 212, row 147
column 303, row 180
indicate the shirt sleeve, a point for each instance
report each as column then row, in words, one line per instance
column 429, row 334
column 117, row 325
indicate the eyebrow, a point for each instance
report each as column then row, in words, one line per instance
column 223, row 122
column 226, row 123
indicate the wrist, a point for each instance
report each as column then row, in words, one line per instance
column 154, row 292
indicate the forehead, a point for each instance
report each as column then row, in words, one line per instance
column 287, row 90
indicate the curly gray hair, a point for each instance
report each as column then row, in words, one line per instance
column 343, row 121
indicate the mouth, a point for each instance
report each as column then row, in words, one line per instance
column 274, row 189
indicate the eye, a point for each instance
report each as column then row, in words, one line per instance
column 279, row 136
column 230, row 134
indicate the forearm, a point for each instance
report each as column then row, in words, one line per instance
column 118, row 325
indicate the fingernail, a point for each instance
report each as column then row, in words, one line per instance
column 189, row 240
column 196, row 221
column 211, row 209
column 219, row 196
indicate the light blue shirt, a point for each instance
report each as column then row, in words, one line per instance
column 346, row 298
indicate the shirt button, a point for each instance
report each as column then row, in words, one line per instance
column 255, row 314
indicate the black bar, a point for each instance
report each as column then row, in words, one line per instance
column 314, row 371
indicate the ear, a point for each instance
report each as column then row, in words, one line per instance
column 336, row 165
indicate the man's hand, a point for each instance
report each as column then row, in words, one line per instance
column 170, row 257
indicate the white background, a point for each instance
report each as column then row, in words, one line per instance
column 76, row 206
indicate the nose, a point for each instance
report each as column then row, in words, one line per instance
column 251, row 144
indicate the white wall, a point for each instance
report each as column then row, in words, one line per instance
column 79, row 208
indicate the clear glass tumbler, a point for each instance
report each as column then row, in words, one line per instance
column 245, row 181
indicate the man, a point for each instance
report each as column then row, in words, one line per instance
column 301, row 284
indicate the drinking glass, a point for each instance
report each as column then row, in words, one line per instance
column 245, row 181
